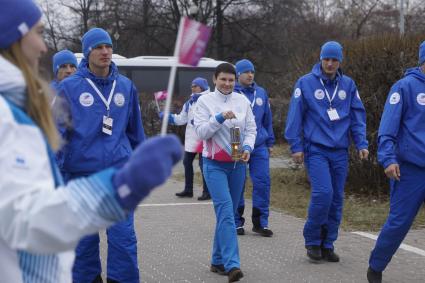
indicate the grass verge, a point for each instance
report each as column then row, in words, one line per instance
column 290, row 193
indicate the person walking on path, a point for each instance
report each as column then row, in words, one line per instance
column 192, row 143
column 223, row 117
column 259, row 168
column 106, row 126
column 43, row 219
column 324, row 113
column 401, row 151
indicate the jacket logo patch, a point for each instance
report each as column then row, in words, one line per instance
column 259, row 101
column 342, row 94
column 421, row 98
column 297, row 92
column 20, row 163
column 319, row 94
column 119, row 99
column 86, row 99
column 394, row 98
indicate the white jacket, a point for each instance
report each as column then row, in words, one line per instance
column 41, row 225
column 216, row 135
column 192, row 143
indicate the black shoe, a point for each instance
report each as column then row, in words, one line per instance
column 235, row 274
column 218, row 268
column 185, row 194
column 314, row 253
column 374, row 276
column 329, row 255
column 240, row 231
column 204, row 196
column 265, row 232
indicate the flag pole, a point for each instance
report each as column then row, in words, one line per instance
column 172, row 79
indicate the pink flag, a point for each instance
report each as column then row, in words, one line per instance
column 193, row 42
column 160, row 95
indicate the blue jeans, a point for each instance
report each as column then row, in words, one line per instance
column 225, row 181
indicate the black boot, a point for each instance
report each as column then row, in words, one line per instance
column 235, row 274
column 205, row 196
column 240, row 231
column 185, row 194
column 314, row 253
column 265, row 232
column 218, row 268
column 329, row 255
column 374, row 276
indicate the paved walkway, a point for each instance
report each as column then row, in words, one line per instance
column 175, row 242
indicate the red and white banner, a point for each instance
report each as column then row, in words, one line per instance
column 194, row 40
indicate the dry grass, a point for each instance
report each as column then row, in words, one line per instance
column 291, row 194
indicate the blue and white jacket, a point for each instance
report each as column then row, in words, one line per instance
column 87, row 149
column 308, row 121
column 401, row 134
column 192, row 143
column 41, row 222
column 260, row 106
column 211, row 127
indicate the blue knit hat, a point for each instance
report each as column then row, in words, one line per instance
column 201, row 82
column 16, row 19
column 422, row 53
column 63, row 57
column 331, row 50
column 94, row 38
column 243, row 66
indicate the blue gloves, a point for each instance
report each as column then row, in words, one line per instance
column 148, row 167
column 170, row 117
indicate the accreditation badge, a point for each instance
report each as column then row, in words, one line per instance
column 333, row 114
column 107, row 125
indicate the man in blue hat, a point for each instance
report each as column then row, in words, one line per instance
column 325, row 112
column 401, row 151
column 259, row 170
column 64, row 65
column 105, row 127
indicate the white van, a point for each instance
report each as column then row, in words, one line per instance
column 151, row 73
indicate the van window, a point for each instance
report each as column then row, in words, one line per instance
column 151, row 79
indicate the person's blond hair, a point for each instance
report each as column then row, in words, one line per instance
column 37, row 102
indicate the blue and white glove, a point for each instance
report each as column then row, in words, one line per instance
column 149, row 166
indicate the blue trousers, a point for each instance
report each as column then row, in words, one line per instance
column 259, row 171
column 406, row 198
column 122, row 255
column 225, row 181
column 327, row 169
column 188, row 171
column 122, row 252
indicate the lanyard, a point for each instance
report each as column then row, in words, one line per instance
column 253, row 101
column 106, row 102
column 327, row 93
